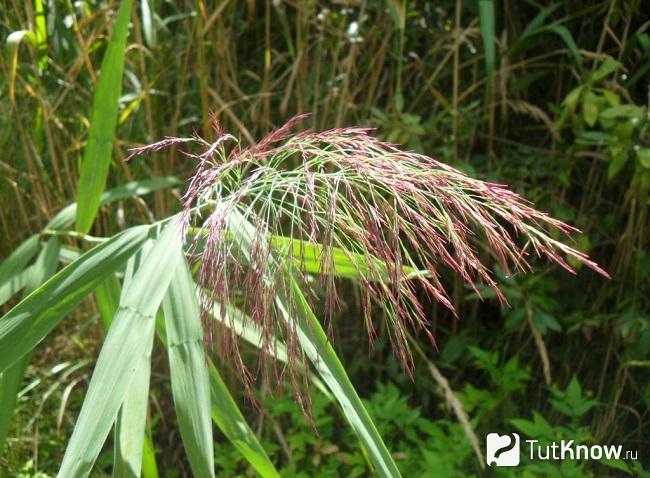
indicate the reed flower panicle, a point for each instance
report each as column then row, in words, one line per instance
column 397, row 217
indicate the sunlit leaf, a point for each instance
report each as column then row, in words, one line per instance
column 97, row 155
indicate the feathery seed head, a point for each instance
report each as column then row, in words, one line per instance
column 394, row 218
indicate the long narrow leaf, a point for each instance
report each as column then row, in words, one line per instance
column 316, row 346
column 486, row 17
column 149, row 466
column 66, row 216
column 34, row 317
column 12, row 286
column 308, row 257
column 97, row 155
column 232, row 423
column 130, row 425
column 41, row 34
column 189, row 373
column 18, row 259
column 129, row 341
column 107, row 296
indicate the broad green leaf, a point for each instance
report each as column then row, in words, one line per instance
column 316, row 346
column 232, row 423
column 486, row 17
column 625, row 111
column 97, row 154
column 66, row 216
column 128, row 343
column 619, row 156
column 24, row 326
column 571, row 99
column 189, row 371
column 18, row 259
column 643, row 155
column 12, row 378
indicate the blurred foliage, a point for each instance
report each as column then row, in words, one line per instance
column 562, row 118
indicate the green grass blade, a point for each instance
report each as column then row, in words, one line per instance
column 10, row 383
column 36, row 315
column 149, row 466
column 18, row 259
column 316, row 346
column 232, row 423
column 97, row 155
column 486, row 17
column 45, row 265
column 350, row 265
column 189, row 372
column 537, row 23
column 107, row 296
column 148, row 23
column 66, row 216
column 13, row 286
column 224, row 410
column 130, row 426
column 12, row 378
column 307, row 256
column 41, row 34
column 564, row 33
column 128, row 343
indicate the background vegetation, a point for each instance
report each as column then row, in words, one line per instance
column 550, row 99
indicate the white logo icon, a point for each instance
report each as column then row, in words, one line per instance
column 502, row 450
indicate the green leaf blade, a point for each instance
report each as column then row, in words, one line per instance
column 24, row 326
column 486, row 18
column 189, row 372
column 232, row 423
column 128, row 344
column 97, row 154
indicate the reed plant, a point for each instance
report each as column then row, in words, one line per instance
column 331, row 236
